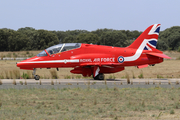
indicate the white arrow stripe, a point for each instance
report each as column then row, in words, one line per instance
column 139, row 51
column 54, row 61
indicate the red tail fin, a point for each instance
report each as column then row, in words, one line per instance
column 148, row 39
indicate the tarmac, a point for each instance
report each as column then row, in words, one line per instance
column 88, row 83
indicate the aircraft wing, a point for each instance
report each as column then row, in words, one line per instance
column 161, row 55
column 97, row 68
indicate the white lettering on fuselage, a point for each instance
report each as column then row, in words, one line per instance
column 96, row 60
column 107, row 60
column 112, row 59
column 85, row 60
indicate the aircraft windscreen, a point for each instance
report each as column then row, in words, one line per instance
column 43, row 53
column 54, row 49
column 70, row 46
column 62, row 47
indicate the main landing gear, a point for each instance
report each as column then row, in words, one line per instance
column 100, row 76
column 36, row 77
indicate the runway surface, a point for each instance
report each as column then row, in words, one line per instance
column 88, row 83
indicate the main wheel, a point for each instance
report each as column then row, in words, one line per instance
column 100, row 76
column 36, row 77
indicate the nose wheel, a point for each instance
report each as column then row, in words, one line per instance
column 36, row 77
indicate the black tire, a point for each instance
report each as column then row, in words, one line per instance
column 37, row 77
column 100, row 76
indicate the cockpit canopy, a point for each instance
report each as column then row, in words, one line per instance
column 59, row 48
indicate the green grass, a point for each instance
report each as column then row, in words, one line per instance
column 112, row 77
column 141, row 75
column 54, row 74
column 67, row 77
column 77, row 103
column 159, row 76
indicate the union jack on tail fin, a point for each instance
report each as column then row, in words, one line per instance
column 147, row 41
column 148, row 38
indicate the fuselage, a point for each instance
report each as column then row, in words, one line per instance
column 89, row 54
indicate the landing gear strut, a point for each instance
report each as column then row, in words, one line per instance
column 100, row 76
column 36, row 77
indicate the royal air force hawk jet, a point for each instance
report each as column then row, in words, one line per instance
column 97, row 60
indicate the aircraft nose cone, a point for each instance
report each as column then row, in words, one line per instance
column 21, row 64
column 18, row 64
column 24, row 65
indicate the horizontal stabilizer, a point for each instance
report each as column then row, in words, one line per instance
column 161, row 55
column 142, row 66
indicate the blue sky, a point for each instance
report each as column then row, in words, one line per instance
column 62, row 15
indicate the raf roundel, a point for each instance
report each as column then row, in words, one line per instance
column 120, row 59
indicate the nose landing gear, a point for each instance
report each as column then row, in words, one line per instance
column 36, row 77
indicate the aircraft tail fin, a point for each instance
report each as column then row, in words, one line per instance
column 148, row 39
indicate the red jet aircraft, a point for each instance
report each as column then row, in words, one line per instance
column 89, row 59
